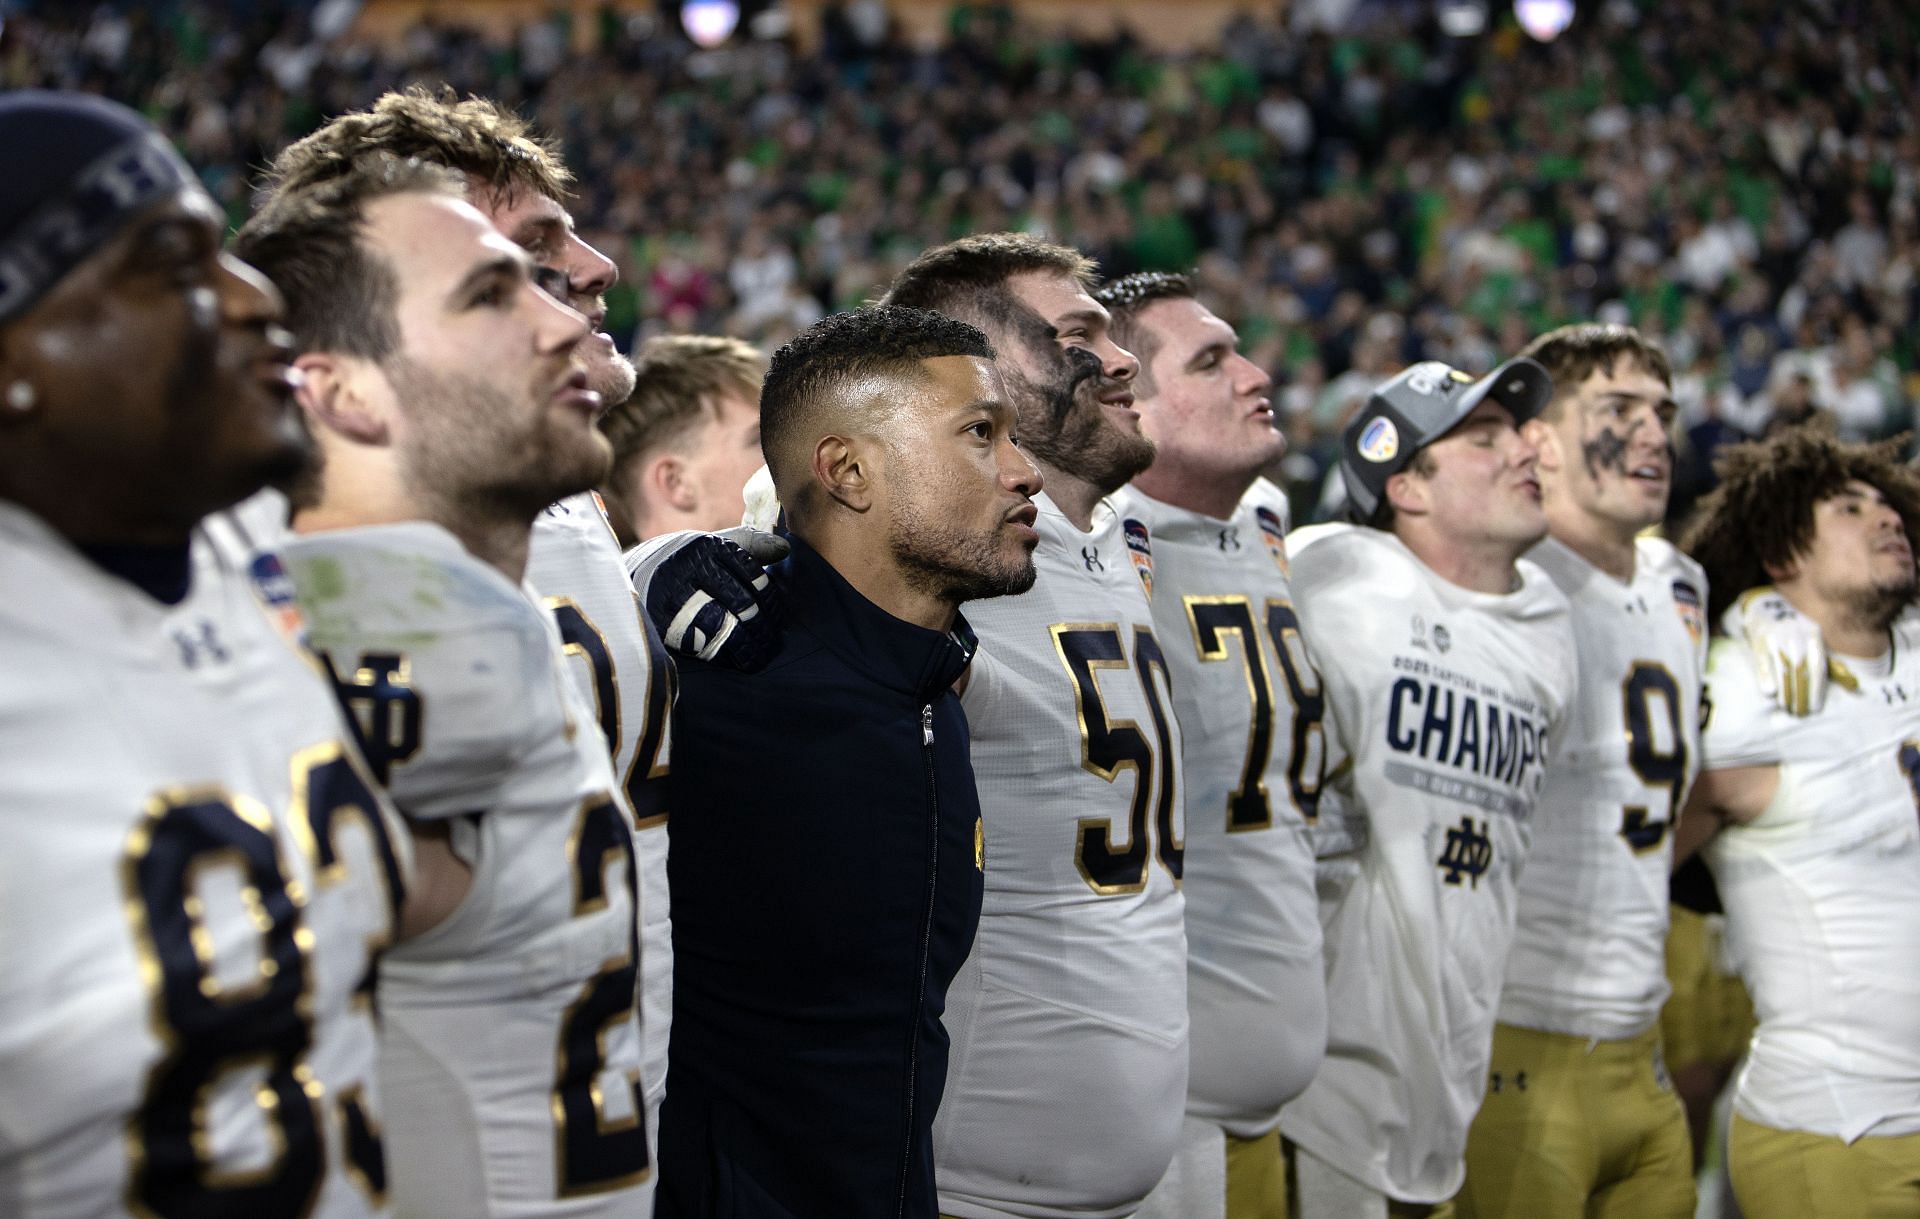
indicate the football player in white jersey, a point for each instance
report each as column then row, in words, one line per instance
column 1449, row 671
column 520, row 183
column 1580, row 1117
column 1250, row 711
column 1069, row 1020
column 687, row 440
column 195, row 872
column 1809, row 826
column 444, row 391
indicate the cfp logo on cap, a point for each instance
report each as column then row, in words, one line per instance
column 1380, row 440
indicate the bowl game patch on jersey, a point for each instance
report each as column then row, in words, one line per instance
column 1140, row 549
column 1274, row 531
column 275, row 589
column 1692, row 609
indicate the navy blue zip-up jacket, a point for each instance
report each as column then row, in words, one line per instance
column 825, row 888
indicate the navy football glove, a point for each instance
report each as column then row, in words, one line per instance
column 709, row 594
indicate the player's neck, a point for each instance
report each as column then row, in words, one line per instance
column 1075, row 497
column 495, row 536
column 876, row 574
column 1605, row 544
column 1209, row 495
column 1482, row 567
column 1848, row 630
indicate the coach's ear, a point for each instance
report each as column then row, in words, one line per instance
column 844, row 471
column 338, row 393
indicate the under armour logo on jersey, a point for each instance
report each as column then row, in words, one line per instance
column 202, row 644
column 1091, row 557
column 382, row 707
column 1468, row 854
column 1230, row 538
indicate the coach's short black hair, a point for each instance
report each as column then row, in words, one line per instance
column 812, row 372
column 1126, row 299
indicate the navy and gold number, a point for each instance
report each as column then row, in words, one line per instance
column 1217, row 620
column 253, row 1032
column 248, row 1026
column 645, row 783
column 1109, row 746
column 1309, row 760
column 1655, row 764
column 1908, row 760
column 598, row 1152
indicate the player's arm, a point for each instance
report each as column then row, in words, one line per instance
column 1734, row 796
column 709, row 595
column 441, row 879
column 1790, row 658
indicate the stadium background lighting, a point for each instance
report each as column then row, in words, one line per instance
column 709, row 22
column 1462, row 18
column 1545, row 20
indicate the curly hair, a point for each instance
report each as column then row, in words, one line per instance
column 477, row 137
column 1761, row 514
column 1126, row 299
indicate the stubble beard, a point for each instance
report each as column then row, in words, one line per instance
column 952, row 565
column 611, row 376
column 1878, row 605
column 479, row 451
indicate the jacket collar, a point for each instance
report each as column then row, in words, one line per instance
column 893, row 652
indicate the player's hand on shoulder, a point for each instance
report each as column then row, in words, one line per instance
column 709, row 595
column 1789, row 654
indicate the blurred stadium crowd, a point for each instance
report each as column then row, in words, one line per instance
column 1740, row 178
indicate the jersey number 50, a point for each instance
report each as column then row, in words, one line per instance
column 1109, row 746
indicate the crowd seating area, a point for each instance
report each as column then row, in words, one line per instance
column 1738, row 177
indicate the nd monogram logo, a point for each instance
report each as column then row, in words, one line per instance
column 383, row 708
column 1468, row 853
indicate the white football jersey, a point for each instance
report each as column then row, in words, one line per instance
column 1450, row 702
column 1589, row 950
column 1822, row 892
column 511, row 1043
column 196, row 874
column 1254, row 747
column 619, row 663
column 1069, row 1020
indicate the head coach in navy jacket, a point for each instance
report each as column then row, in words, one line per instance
column 825, row 868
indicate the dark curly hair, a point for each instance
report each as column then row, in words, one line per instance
column 1126, row 299
column 1761, row 514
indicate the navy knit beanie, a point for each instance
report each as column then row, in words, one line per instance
column 78, row 168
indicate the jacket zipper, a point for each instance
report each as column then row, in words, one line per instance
column 926, row 950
